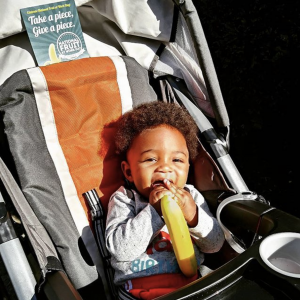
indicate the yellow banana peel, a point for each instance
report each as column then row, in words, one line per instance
column 180, row 236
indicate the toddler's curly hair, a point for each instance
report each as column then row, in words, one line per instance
column 151, row 115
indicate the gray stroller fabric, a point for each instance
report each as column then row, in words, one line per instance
column 171, row 43
column 36, row 232
column 39, row 180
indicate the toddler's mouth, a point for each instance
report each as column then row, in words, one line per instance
column 160, row 182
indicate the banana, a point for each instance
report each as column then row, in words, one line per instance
column 52, row 55
column 180, row 236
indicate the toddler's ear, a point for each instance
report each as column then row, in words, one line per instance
column 126, row 171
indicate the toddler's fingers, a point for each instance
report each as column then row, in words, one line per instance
column 158, row 193
column 171, row 186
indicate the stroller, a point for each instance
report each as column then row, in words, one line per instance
column 59, row 168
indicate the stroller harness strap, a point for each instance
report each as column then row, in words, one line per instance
column 98, row 219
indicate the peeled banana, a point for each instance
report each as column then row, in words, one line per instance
column 180, row 236
column 52, row 55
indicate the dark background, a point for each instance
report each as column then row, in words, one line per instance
column 255, row 48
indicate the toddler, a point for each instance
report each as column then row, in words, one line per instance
column 157, row 141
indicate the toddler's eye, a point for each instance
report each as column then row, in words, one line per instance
column 177, row 160
column 150, row 159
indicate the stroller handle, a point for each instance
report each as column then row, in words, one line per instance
column 217, row 144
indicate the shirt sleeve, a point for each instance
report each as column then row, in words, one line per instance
column 207, row 234
column 128, row 230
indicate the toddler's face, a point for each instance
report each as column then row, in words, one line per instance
column 157, row 154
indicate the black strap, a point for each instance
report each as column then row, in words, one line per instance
column 98, row 218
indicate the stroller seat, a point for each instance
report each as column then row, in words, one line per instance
column 59, row 123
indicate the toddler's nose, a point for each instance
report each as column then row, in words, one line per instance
column 164, row 167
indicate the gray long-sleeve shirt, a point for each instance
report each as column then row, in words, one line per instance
column 138, row 239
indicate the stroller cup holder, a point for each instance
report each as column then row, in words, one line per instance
column 280, row 252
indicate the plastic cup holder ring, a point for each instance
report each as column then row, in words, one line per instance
column 281, row 252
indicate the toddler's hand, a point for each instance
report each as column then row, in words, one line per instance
column 155, row 196
column 185, row 202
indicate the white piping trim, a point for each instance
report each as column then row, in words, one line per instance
column 123, row 83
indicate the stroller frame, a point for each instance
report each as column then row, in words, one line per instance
column 246, row 217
